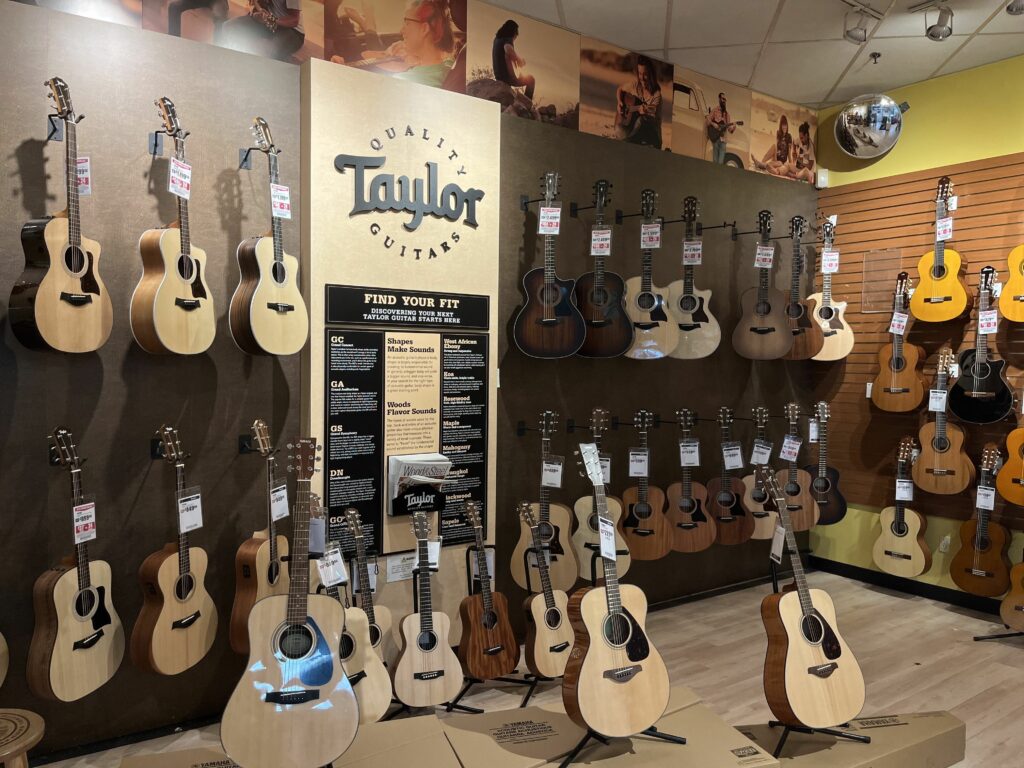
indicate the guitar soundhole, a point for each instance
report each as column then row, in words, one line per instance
column 688, row 303
column 792, row 489
column 617, row 629
column 759, row 495
column 939, row 272
column 599, row 297
column 426, row 641
column 642, row 510
column 348, row 646
column 186, row 268
column 897, row 363
column 375, row 635
column 273, row 572
column 826, row 313
column 553, row 618
column 549, row 295
column 74, row 259
column 592, row 521
column 812, row 629
column 646, row 301
column 545, row 531
column 980, row 370
column 184, row 586
column 296, row 641
column 85, row 603
column 279, row 273
column 981, row 543
column 725, row 499
column 899, row 529
column 794, row 311
column 763, row 308
column 686, row 505
column 489, row 619
column 821, row 484
column 941, row 444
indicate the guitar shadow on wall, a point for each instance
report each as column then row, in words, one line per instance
column 156, row 187
column 31, row 161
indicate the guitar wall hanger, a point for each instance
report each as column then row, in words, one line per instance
column 571, row 426
column 758, row 232
column 525, row 201
column 620, row 216
column 155, row 141
column 245, row 157
column 55, row 126
column 575, row 208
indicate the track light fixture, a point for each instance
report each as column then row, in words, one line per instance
column 857, row 32
column 943, row 26
column 1016, row 8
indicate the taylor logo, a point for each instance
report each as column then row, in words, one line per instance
column 417, row 500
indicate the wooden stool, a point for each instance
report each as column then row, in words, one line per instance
column 20, row 730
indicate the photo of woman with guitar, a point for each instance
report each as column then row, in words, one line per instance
column 777, row 158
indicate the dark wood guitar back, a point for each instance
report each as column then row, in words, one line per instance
column 488, row 648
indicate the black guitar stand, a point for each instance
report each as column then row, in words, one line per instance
column 999, row 636
column 653, row 732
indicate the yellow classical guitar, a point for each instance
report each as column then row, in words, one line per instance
column 941, row 293
column 1011, row 300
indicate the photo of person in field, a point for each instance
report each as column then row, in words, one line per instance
column 773, row 147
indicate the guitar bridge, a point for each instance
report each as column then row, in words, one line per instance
column 937, row 299
column 761, row 515
column 939, row 472
column 828, row 334
column 897, row 555
column 981, row 395
column 76, row 299
column 686, row 526
column 760, row 330
column 645, row 326
column 896, row 390
column 187, row 304
column 186, row 622
column 979, row 572
column 688, row 326
column 87, row 642
column 726, row 519
column 623, row 674
column 354, row 679
column 494, row 650
column 823, row 670
column 279, row 307
column 432, row 675
column 292, row 697
column 558, row 648
column 643, row 531
column 597, row 323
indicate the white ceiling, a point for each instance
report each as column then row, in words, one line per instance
column 793, row 49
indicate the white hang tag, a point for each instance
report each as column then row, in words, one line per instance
column 693, row 253
column 489, row 557
column 650, row 235
column 764, row 257
column 317, row 535
column 371, row 573
column 550, row 220
column 914, row 455
column 944, row 229
column 606, row 528
column 834, row 219
column 829, row 261
column 332, row 568
column 986, row 497
column 904, row 490
column 689, row 452
column 988, row 321
column 279, row 503
column 551, row 472
column 954, row 370
column 867, row 389
column 812, row 430
column 547, row 557
column 937, row 400
column 778, row 544
column 732, row 455
column 899, row 323
column 434, row 552
column 638, row 458
column 280, row 201
column 606, row 469
column 790, row 448
column 190, row 510
column 761, row 453
column 83, row 176
column 997, row 289
column 84, row 516
column 179, row 179
column 951, row 204
column 600, row 242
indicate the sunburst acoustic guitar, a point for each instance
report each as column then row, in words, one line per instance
column 941, row 293
column 900, row 548
column 655, row 330
column 824, row 478
column 693, row 529
column 981, row 565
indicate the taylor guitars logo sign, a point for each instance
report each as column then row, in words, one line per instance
column 415, row 190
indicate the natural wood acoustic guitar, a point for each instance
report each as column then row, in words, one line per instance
column 837, row 336
column 1011, row 300
column 900, row 548
column 699, row 331
column 734, row 523
column 755, row 497
column 943, row 467
column 808, row 339
column 981, row 565
column 1010, row 479
column 763, row 332
column 941, row 292
column 644, row 524
column 693, row 529
column 1011, row 609
column 796, row 483
column 899, row 387
column 378, row 617
column 825, row 479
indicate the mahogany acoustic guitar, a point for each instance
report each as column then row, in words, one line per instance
column 981, row 566
column 645, row 526
column 693, row 529
column 941, row 293
column 807, row 335
column 796, row 483
column 943, row 467
column 899, row 387
column 60, row 301
column 734, row 523
column 763, row 332
column 836, row 333
column 755, row 497
column 900, row 548
column 655, row 330
column 699, row 331
column 825, row 479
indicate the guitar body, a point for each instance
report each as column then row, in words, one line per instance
column 168, row 313
column 803, row 509
column 549, row 634
column 317, row 722
column 366, row 672
column 557, row 332
column 836, row 334
column 763, row 330
column 902, row 553
column 699, row 332
column 267, row 314
column 655, row 333
column 586, row 539
column 994, row 399
column 173, row 633
column 797, row 696
column 73, row 652
column 615, row 691
column 5, row 659
column 942, row 468
column 692, row 528
column 53, row 306
column 1010, row 480
column 825, row 493
column 985, row 572
column 943, row 297
column 808, row 338
column 733, row 522
column 765, row 520
column 1011, row 610
column 488, row 647
column 905, row 378
column 1011, row 300
column 427, row 672
column 564, row 566
column 609, row 331
column 255, row 580
column 645, row 527
column 382, row 636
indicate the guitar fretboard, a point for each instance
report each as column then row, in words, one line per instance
column 688, row 268
column 611, row 573
column 822, row 446
column 184, row 565
column 645, row 271
column 81, row 550
column 364, row 597
column 545, row 493
column 901, row 506
column 423, row 585
column 599, row 258
column 794, row 431
column 763, row 276
column 941, row 381
column 940, row 245
column 794, row 287
column 799, row 577
column 826, row 280
column 298, row 590
column 275, row 222
column 71, row 181
column 271, row 525
column 981, row 340
column 186, row 240
column 897, row 339
column 641, row 482
column 542, row 565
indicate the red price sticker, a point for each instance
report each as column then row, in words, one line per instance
column 650, row 235
column 693, row 253
column 83, row 176
column 600, row 242
column 85, row 522
column 280, row 201
column 179, row 179
column 944, row 228
column 550, row 220
column 764, row 258
column 898, row 325
column 829, row 262
column 988, row 321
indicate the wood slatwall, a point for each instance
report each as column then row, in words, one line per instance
column 898, row 213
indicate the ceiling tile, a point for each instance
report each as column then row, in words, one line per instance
column 539, row 9
column 984, row 49
column 636, row 25
column 904, row 60
column 719, row 22
column 968, row 15
column 1004, row 22
column 812, row 20
column 802, row 72
column 735, row 64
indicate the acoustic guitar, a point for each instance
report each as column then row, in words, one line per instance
column 172, row 307
column 1011, row 300
column 734, row 523
column 693, row 529
column 599, row 294
column 616, row 683
column 5, row 658
column 488, row 647
column 981, row 395
column 808, row 339
column 427, row 672
column 1011, row 609
column 267, row 315
column 811, row 678
column 60, row 301
column 699, row 332
column 294, row 704
column 796, row 483
column 763, row 332
column 78, row 641
column 585, row 538
column 178, row 621
column 898, row 387
column 645, row 526
column 837, row 336
column 941, row 293
column 655, row 331
column 755, row 497
column 260, row 562
column 825, row 479
column 378, row 617
column 943, row 467
column 900, row 548
column 716, row 128
column 549, row 634
column 555, row 525
column 549, row 325
column 1010, row 479
column 981, row 565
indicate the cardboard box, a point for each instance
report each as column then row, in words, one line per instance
column 183, row 758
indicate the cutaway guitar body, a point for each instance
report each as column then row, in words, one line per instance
column 655, row 334
column 837, row 336
column 699, row 331
column 900, row 549
column 981, row 395
column 549, row 325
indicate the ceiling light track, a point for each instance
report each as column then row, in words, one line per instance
column 859, row 5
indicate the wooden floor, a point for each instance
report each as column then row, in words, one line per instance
column 916, row 655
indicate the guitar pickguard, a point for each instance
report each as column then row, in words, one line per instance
column 314, row 670
column 829, row 642
column 697, row 317
column 88, row 280
column 198, row 289
column 101, row 618
column 637, row 647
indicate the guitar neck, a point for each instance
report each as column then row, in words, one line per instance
column 184, row 565
column 611, row 572
column 275, row 222
column 940, row 245
column 542, row 566
column 941, row 381
column 298, row 590
column 688, row 268
column 81, row 550
column 901, row 506
column 687, row 472
column 641, row 482
column 545, row 493
column 794, row 288
column 726, row 432
column 981, row 339
column 599, row 258
column 364, row 597
column 481, row 567
column 186, row 239
column 794, row 464
column 423, row 585
column 549, row 259
column 271, row 525
column 645, row 271
column 762, row 279
column 826, row 280
column 71, row 181
column 822, row 447
column 799, row 577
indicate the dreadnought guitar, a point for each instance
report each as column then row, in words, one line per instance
column 294, row 704
column 733, row 521
column 943, row 466
column 267, row 313
column 427, row 672
column 172, row 307
column 555, row 522
column 1011, row 300
column 615, row 683
column 807, row 334
column 825, row 479
column 981, row 566
column 549, row 324
column 796, row 483
column 699, row 332
column 488, row 647
column 755, row 497
column 837, row 336
column 941, row 293
column 900, row 548
column 585, row 539
column 599, row 293
column 692, row 527
column 548, row 631
column 763, row 332
column 1011, row 609
column 178, row 621
column 78, row 642
column 655, row 330
column 60, row 300
column 899, row 386
column 811, row 677
column 981, row 394
column 645, row 526
column 1010, row 479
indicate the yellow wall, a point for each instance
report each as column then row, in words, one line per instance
column 965, row 116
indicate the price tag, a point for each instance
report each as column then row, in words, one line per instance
column 434, row 552
column 551, row 472
column 638, row 462
column 84, row 516
column 997, row 288
column 904, row 490
column 279, row 504
column 190, row 510
column 829, row 262
column 317, row 535
column 607, row 530
column 937, row 400
column 899, row 323
column 986, row 497
column 693, row 253
column 954, row 370
column 790, row 448
column 812, row 430
column 332, row 568
column 475, row 565
column 778, row 544
column 606, row 469
column 762, row 452
column 371, row 574
column 867, row 389
column 944, row 228
column 280, row 201
column 732, row 455
column 550, row 220
column 988, row 321
column 952, row 203
column 83, row 176
column 689, row 452
column 834, row 218
column 764, row 257
column 179, row 179
column 600, row 242
column 650, row 235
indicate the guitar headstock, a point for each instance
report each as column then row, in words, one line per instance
column 691, row 209
column 169, row 116
column 173, row 452
column 771, row 486
column 989, row 458
column 822, row 411
column 305, row 457
column 792, row 413
column 686, row 418
column 602, row 195
column 905, row 453
column 760, row 414
column 648, row 204
column 945, row 360
column 550, row 187
column 900, row 294
column 764, row 223
column 473, row 514
column 797, row 227
column 643, row 420
column 548, row 423
column 987, row 279
column 725, row 416
column 526, row 514
column 60, row 94
column 420, row 526
column 64, row 445
column 264, row 139
column 598, row 423
column 944, row 190
column 354, row 523
column 592, row 463
column 828, row 232
column 261, row 437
